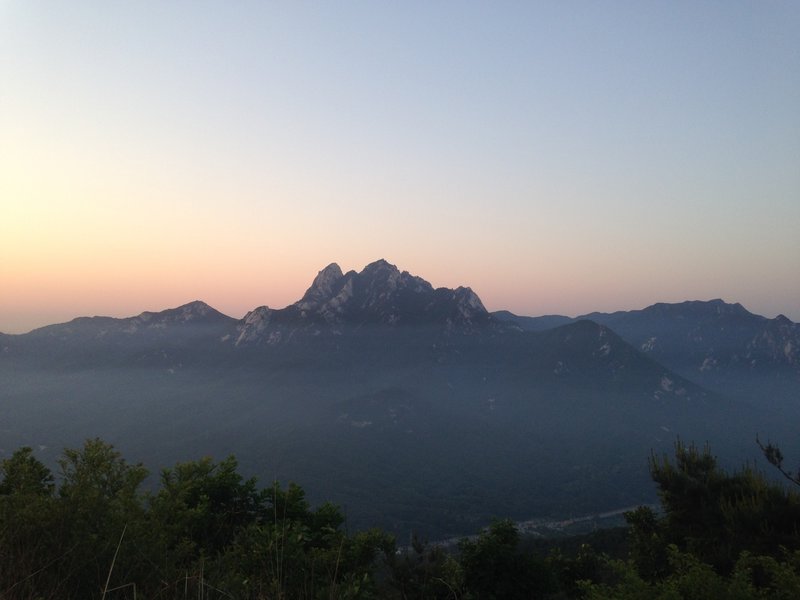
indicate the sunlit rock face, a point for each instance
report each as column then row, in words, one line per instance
column 382, row 294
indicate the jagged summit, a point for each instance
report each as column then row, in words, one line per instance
column 322, row 288
column 378, row 266
column 380, row 294
column 253, row 325
column 332, row 288
column 469, row 298
column 378, row 288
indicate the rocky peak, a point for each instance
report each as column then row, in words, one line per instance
column 379, row 280
column 253, row 325
column 723, row 308
column 326, row 278
column 381, row 293
column 196, row 308
column 379, row 266
column 323, row 288
column 469, row 305
column 381, row 274
column 195, row 311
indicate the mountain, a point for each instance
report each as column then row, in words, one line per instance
column 722, row 346
column 410, row 406
column 379, row 295
column 195, row 319
column 150, row 338
column 541, row 323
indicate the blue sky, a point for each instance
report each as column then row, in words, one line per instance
column 556, row 157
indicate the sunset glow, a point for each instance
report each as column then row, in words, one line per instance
column 557, row 158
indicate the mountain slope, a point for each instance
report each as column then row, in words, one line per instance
column 149, row 339
column 379, row 295
column 410, row 405
column 721, row 345
column 541, row 323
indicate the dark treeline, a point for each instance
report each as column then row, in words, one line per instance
column 209, row 533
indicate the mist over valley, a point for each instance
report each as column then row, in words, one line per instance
column 413, row 408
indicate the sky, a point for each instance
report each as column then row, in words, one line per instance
column 556, row 157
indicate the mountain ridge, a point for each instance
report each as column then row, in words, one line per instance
column 716, row 343
column 429, row 413
column 721, row 345
column 329, row 291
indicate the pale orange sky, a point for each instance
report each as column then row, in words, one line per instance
column 555, row 158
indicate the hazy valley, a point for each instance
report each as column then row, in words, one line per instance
column 412, row 407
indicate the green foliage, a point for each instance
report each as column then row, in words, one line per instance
column 719, row 535
column 769, row 577
column 774, row 456
column 426, row 572
column 206, row 532
column 24, row 476
column 613, row 541
column 753, row 578
column 200, row 508
column 712, row 514
column 97, row 499
column 648, row 549
column 569, row 571
column 209, row 532
column 291, row 551
column 495, row 567
column 28, row 520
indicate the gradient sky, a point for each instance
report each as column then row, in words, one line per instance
column 557, row 157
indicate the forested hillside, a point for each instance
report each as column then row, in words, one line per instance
column 92, row 532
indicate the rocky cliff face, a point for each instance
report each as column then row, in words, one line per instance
column 380, row 294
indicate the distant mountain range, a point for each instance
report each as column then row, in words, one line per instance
column 411, row 406
column 721, row 346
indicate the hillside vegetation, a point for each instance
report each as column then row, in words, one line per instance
column 207, row 532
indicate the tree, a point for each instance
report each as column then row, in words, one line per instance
column 494, row 566
column 28, row 523
column 774, row 456
column 98, row 499
column 648, row 548
column 24, row 475
column 425, row 571
column 752, row 578
column 206, row 528
column 294, row 551
column 712, row 514
column 202, row 505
